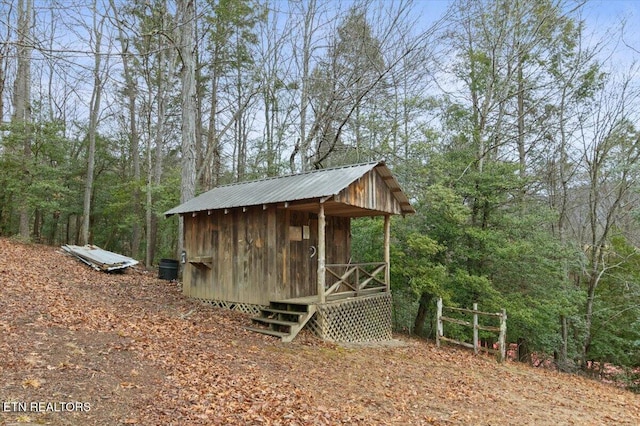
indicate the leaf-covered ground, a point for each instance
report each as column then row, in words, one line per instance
column 80, row 347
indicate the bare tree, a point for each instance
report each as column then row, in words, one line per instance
column 165, row 64
column 22, row 100
column 610, row 151
column 130, row 90
column 4, row 57
column 310, row 13
column 97, row 30
column 276, row 73
column 186, row 21
column 227, row 86
column 366, row 48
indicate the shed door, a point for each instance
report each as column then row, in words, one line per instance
column 303, row 244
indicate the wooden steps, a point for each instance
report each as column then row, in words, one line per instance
column 283, row 319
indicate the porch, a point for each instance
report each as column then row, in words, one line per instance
column 280, row 248
column 355, row 306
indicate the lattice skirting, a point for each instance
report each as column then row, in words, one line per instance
column 245, row 308
column 362, row 319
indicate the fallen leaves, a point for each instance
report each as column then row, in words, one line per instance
column 31, row 383
column 141, row 353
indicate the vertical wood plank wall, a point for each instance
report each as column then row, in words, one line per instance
column 257, row 255
column 370, row 192
column 264, row 253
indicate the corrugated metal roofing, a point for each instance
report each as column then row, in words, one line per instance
column 303, row 186
column 100, row 259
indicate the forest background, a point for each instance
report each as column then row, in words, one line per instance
column 511, row 125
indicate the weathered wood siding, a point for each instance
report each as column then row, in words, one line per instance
column 338, row 244
column 301, row 238
column 370, row 192
column 258, row 255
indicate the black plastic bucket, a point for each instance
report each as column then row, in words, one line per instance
column 168, row 269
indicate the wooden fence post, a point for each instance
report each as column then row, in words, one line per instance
column 503, row 335
column 475, row 328
column 440, row 329
column 387, row 251
column 501, row 352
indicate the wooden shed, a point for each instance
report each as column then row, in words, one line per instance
column 281, row 248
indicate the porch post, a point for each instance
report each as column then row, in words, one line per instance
column 387, row 251
column 321, row 254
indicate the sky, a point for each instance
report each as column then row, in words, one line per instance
column 605, row 20
column 603, row 15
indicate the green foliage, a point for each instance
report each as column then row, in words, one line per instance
column 630, row 378
column 616, row 332
column 367, row 239
column 232, row 33
column 486, row 177
column 421, row 272
column 475, row 239
column 46, row 179
column 167, row 196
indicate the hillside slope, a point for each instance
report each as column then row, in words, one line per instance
column 130, row 349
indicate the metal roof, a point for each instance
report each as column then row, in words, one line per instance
column 303, row 186
column 100, row 259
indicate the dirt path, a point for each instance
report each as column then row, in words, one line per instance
column 79, row 347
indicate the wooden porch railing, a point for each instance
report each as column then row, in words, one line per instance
column 356, row 278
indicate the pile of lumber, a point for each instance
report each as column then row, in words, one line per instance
column 99, row 259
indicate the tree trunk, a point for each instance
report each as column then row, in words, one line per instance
column 523, row 351
column 168, row 58
column 3, row 62
column 522, row 160
column 212, row 165
column 562, row 360
column 305, row 142
column 186, row 9
column 94, row 113
column 22, row 103
column 423, row 310
column 51, row 239
column 588, row 321
column 136, row 233
column 134, row 141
